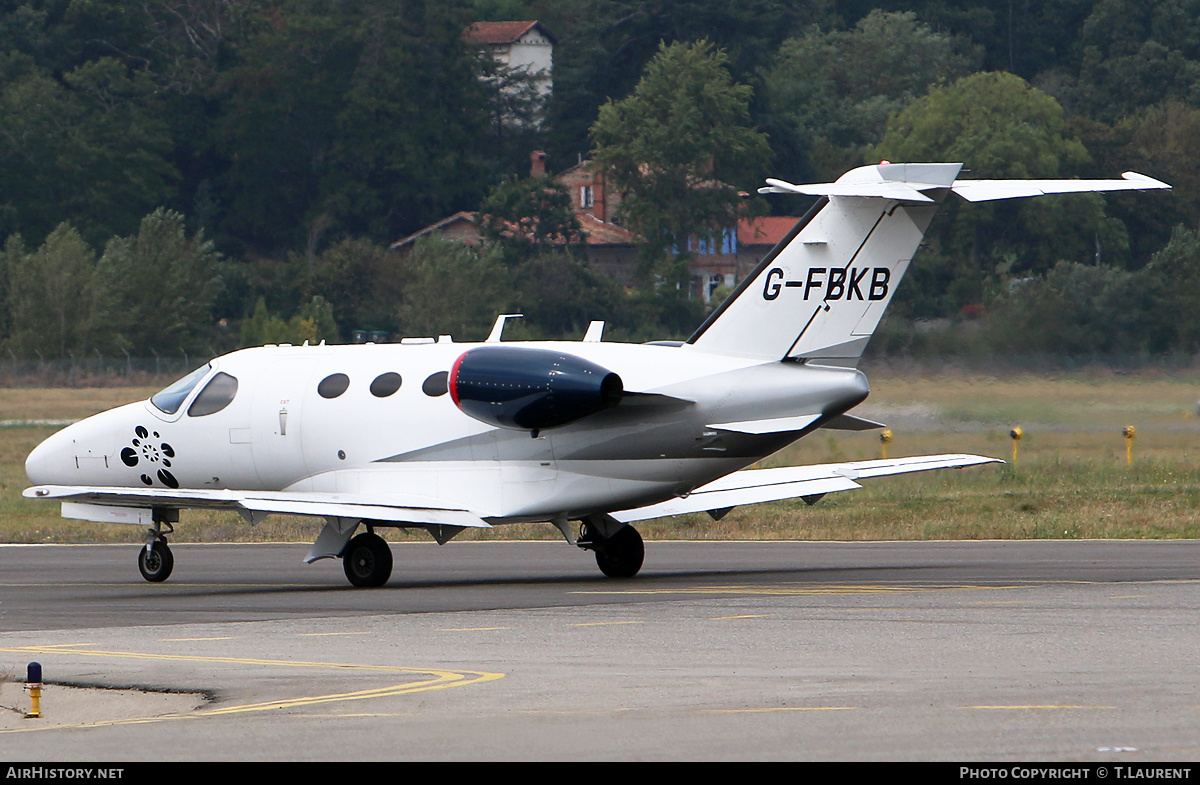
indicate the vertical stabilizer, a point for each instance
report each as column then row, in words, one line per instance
column 821, row 292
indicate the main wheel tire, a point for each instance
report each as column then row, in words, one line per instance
column 622, row 554
column 367, row 561
column 156, row 563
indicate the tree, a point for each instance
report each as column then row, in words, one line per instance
column 668, row 146
column 314, row 323
column 560, row 295
column 56, row 303
column 361, row 280
column 89, row 149
column 1176, row 271
column 361, row 118
column 452, row 289
column 163, row 285
column 999, row 126
column 1135, row 53
column 829, row 94
column 530, row 217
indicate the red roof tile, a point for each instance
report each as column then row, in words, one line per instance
column 603, row 233
column 766, row 230
column 501, row 32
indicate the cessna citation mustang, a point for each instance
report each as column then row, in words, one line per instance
column 447, row 436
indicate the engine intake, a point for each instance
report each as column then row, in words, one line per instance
column 530, row 389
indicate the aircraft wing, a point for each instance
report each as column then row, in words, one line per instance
column 252, row 504
column 751, row 486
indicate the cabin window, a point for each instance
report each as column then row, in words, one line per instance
column 385, row 384
column 333, row 385
column 169, row 400
column 435, row 385
column 215, row 396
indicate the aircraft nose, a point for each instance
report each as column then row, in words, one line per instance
column 38, row 463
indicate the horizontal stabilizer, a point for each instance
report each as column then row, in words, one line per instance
column 891, row 181
column 886, row 190
column 751, row 486
column 284, row 502
column 989, row 190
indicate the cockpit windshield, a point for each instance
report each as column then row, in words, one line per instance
column 169, row 400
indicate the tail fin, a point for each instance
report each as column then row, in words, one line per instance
column 820, row 293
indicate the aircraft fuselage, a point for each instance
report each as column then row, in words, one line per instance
column 378, row 421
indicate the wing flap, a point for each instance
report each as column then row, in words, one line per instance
column 752, row 486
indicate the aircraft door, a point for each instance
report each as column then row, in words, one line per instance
column 278, row 405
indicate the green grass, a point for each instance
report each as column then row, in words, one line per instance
column 1071, row 480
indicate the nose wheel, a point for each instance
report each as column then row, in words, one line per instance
column 155, row 561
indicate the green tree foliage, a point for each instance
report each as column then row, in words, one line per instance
column 1000, row 127
column 1175, row 273
column 669, row 145
column 361, row 281
column 829, row 94
column 605, row 45
column 314, row 324
column 361, row 116
column 57, row 305
column 560, row 295
column 1075, row 309
column 452, row 289
column 529, row 217
column 89, row 146
column 997, row 122
column 1161, row 141
column 284, row 128
column 162, row 285
column 1135, row 54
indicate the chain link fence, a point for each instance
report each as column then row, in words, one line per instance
column 96, row 370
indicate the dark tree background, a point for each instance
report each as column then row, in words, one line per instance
column 189, row 159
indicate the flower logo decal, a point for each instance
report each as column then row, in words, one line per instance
column 147, row 446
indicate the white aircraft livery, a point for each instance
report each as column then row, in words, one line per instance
column 446, row 436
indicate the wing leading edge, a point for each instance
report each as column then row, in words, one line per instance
column 751, row 486
column 253, row 505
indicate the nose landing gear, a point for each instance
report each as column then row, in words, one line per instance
column 155, row 561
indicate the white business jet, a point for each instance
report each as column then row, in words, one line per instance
column 447, row 436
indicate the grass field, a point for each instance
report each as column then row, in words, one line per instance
column 1071, row 479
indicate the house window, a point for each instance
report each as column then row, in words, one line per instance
column 586, row 199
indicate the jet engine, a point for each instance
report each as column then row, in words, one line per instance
column 530, row 389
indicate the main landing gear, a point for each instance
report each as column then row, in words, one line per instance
column 155, row 561
column 619, row 548
column 367, row 560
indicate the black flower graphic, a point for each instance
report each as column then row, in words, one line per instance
column 148, row 446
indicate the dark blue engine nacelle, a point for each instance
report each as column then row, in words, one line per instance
column 530, row 389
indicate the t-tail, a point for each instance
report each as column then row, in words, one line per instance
column 821, row 292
